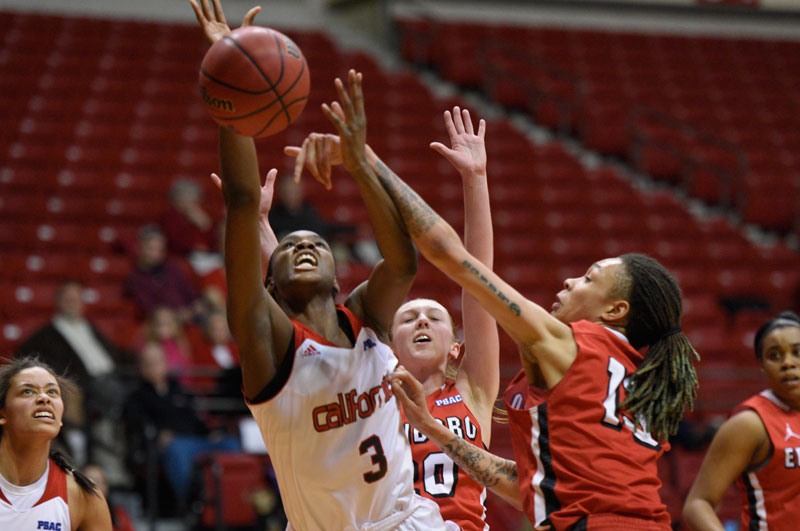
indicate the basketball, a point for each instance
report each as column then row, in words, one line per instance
column 255, row 81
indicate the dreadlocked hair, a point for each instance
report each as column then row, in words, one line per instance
column 665, row 384
column 12, row 367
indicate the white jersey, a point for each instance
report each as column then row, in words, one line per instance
column 334, row 433
column 40, row 506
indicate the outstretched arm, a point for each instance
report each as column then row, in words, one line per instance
column 376, row 300
column 261, row 329
column 480, row 368
column 268, row 239
column 494, row 472
column 542, row 339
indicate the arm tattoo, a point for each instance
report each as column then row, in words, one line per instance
column 513, row 306
column 417, row 215
column 486, row 468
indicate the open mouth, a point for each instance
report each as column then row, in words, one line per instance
column 422, row 338
column 44, row 415
column 305, row 261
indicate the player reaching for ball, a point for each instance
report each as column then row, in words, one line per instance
column 315, row 374
column 589, row 414
column 423, row 336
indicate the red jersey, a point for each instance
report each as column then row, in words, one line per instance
column 461, row 499
column 771, row 494
column 579, row 460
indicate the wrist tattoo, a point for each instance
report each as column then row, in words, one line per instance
column 483, row 467
column 417, row 215
column 513, row 306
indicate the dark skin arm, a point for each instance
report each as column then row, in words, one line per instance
column 261, row 328
column 376, row 300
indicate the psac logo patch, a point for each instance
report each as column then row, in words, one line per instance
column 49, row 526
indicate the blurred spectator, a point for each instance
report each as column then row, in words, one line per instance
column 71, row 344
column 157, row 281
column 214, row 350
column 292, row 212
column 161, row 407
column 164, row 328
column 187, row 226
column 120, row 519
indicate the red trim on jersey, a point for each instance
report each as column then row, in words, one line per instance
column 56, row 484
column 303, row 332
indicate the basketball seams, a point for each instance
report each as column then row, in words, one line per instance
column 252, row 52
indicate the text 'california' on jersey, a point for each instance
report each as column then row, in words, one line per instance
column 334, row 433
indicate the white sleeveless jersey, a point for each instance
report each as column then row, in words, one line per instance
column 50, row 512
column 334, row 433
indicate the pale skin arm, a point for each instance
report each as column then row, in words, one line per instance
column 268, row 239
column 494, row 472
column 261, row 328
column 480, row 368
column 543, row 340
column 740, row 443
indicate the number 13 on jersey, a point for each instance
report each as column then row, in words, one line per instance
column 614, row 418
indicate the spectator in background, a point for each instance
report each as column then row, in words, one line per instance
column 156, row 281
column 120, row 519
column 215, row 351
column 162, row 407
column 71, row 344
column 165, row 328
column 187, row 226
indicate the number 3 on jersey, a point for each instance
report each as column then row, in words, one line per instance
column 373, row 442
column 613, row 418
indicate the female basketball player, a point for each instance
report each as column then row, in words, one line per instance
column 39, row 489
column 315, row 374
column 759, row 446
column 586, row 441
column 423, row 336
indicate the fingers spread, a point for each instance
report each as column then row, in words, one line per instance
column 482, row 128
column 197, row 12
column 448, row 125
column 219, row 13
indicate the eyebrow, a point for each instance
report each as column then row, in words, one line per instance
column 30, row 385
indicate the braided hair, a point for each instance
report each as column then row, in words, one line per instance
column 781, row 320
column 664, row 385
column 7, row 372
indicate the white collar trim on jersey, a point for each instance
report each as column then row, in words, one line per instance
column 23, row 497
column 618, row 334
column 772, row 397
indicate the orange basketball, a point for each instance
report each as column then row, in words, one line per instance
column 254, row 81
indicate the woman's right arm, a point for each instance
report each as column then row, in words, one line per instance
column 741, row 442
column 261, row 328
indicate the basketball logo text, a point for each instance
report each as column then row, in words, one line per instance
column 217, row 103
column 291, row 48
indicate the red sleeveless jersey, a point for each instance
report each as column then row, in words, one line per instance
column 771, row 494
column 579, row 460
column 461, row 499
column 51, row 511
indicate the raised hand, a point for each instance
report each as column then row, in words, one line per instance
column 467, row 153
column 319, row 153
column 351, row 122
column 267, row 191
column 213, row 23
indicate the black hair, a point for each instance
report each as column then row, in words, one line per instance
column 13, row 367
column 781, row 320
column 664, row 385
